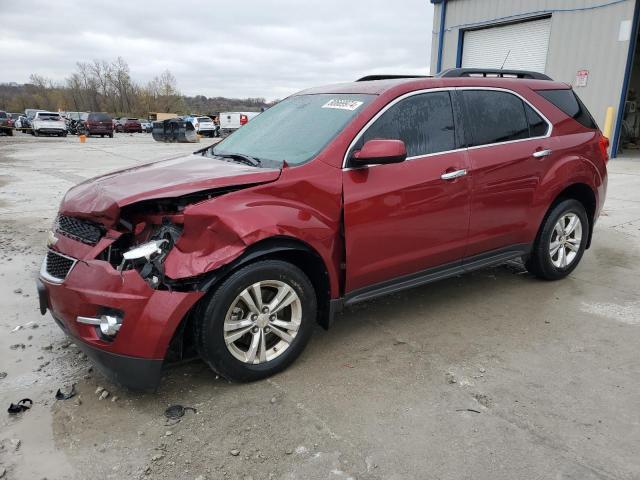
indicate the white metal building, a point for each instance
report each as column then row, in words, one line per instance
column 587, row 43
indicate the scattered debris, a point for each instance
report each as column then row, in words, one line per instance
column 176, row 412
column 99, row 390
column 450, row 377
column 16, row 346
column 157, row 456
column 235, row 452
column 274, row 400
column 467, row 410
column 288, row 451
column 21, row 406
column 60, row 395
column 3, row 375
column 482, row 399
column 114, row 398
column 18, row 291
column 168, row 433
column 24, row 325
column 103, row 395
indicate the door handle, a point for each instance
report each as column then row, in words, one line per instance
column 454, row 175
column 542, row 153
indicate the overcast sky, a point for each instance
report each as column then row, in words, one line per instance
column 236, row 48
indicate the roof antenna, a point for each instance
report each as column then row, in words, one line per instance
column 505, row 59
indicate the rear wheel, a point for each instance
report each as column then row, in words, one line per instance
column 561, row 241
column 257, row 322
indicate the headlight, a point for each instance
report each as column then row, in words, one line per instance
column 146, row 250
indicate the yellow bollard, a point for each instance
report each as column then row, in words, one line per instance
column 82, row 138
column 608, row 123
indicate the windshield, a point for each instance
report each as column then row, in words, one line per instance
column 296, row 129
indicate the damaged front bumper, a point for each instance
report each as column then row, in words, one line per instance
column 134, row 356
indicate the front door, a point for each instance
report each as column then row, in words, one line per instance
column 405, row 218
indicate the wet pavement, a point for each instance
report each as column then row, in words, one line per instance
column 492, row 375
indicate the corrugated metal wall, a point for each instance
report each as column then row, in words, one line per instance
column 586, row 39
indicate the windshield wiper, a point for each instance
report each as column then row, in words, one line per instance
column 241, row 157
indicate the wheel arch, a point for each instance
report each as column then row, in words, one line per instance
column 292, row 250
column 586, row 196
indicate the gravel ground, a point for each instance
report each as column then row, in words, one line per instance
column 492, row 375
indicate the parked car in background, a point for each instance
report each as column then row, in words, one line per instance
column 98, row 123
column 22, row 124
column 128, row 125
column 231, row 121
column 48, row 123
column 146, row 126
column 6, row 123
column 203, row 125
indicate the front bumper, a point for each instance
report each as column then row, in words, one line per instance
column 134, row 357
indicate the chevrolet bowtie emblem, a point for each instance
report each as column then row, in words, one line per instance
column 51, row 239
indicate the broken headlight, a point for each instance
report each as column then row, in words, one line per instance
column 148, row 257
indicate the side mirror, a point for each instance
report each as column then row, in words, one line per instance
column 380, row 152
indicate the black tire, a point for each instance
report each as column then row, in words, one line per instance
column 111, row 135
column 36, row 133
column 210, row 318
column 540, row 262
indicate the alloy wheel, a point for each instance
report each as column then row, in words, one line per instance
column 566, row 240
column 262, row 321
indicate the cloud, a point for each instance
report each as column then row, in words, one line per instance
column 249, row 48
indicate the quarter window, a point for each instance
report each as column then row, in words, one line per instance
column 537, row 126
column 424, row 122
column 495, row 117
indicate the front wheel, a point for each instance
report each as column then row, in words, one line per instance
column 257, row 322
column 561, row 241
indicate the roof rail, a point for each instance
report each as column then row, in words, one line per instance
column 370, row 78
column 486, row 72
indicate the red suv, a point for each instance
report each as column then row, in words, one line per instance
column 335, row 195
column 99, row 123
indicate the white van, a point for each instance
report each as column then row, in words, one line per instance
column 231, row 121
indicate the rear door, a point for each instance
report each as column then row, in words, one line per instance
column 509, row 153
column 404, row 218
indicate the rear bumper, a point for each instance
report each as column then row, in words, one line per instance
column 134, row 357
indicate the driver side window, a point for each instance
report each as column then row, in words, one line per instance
column 424, row 122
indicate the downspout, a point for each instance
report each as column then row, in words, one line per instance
column 625, row 84
column 443, row 16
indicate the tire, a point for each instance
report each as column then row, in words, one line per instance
column 36, row 133
column 225, row 306
column 547, row 265
column 111, row 135
column 9, row 132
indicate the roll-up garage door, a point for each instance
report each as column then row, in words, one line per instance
column 524, row 45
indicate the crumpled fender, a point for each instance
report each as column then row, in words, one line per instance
column 219, row 230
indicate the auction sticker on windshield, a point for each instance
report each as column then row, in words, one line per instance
column 343, row 104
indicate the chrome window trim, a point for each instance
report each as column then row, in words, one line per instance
column 44, row 275
column 446, row 89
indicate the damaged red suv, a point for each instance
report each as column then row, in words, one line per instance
column 336, row 195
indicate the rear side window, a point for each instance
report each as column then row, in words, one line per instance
column 495, row 117
column 567, row 101
column 424, row 122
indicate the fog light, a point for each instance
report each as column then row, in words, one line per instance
column 109, row 324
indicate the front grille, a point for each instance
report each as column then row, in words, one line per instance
column 58, row 266
column 81, row 230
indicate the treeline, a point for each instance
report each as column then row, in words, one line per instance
column 108, row 87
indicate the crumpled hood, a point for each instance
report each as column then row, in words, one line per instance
column 101, row 198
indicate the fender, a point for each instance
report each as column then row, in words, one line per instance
column 565, row 172
column 221, row 230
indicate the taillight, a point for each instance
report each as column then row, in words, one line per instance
column 603, row 142
column 243, row 119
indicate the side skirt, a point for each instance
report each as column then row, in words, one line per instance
column 431, row 275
